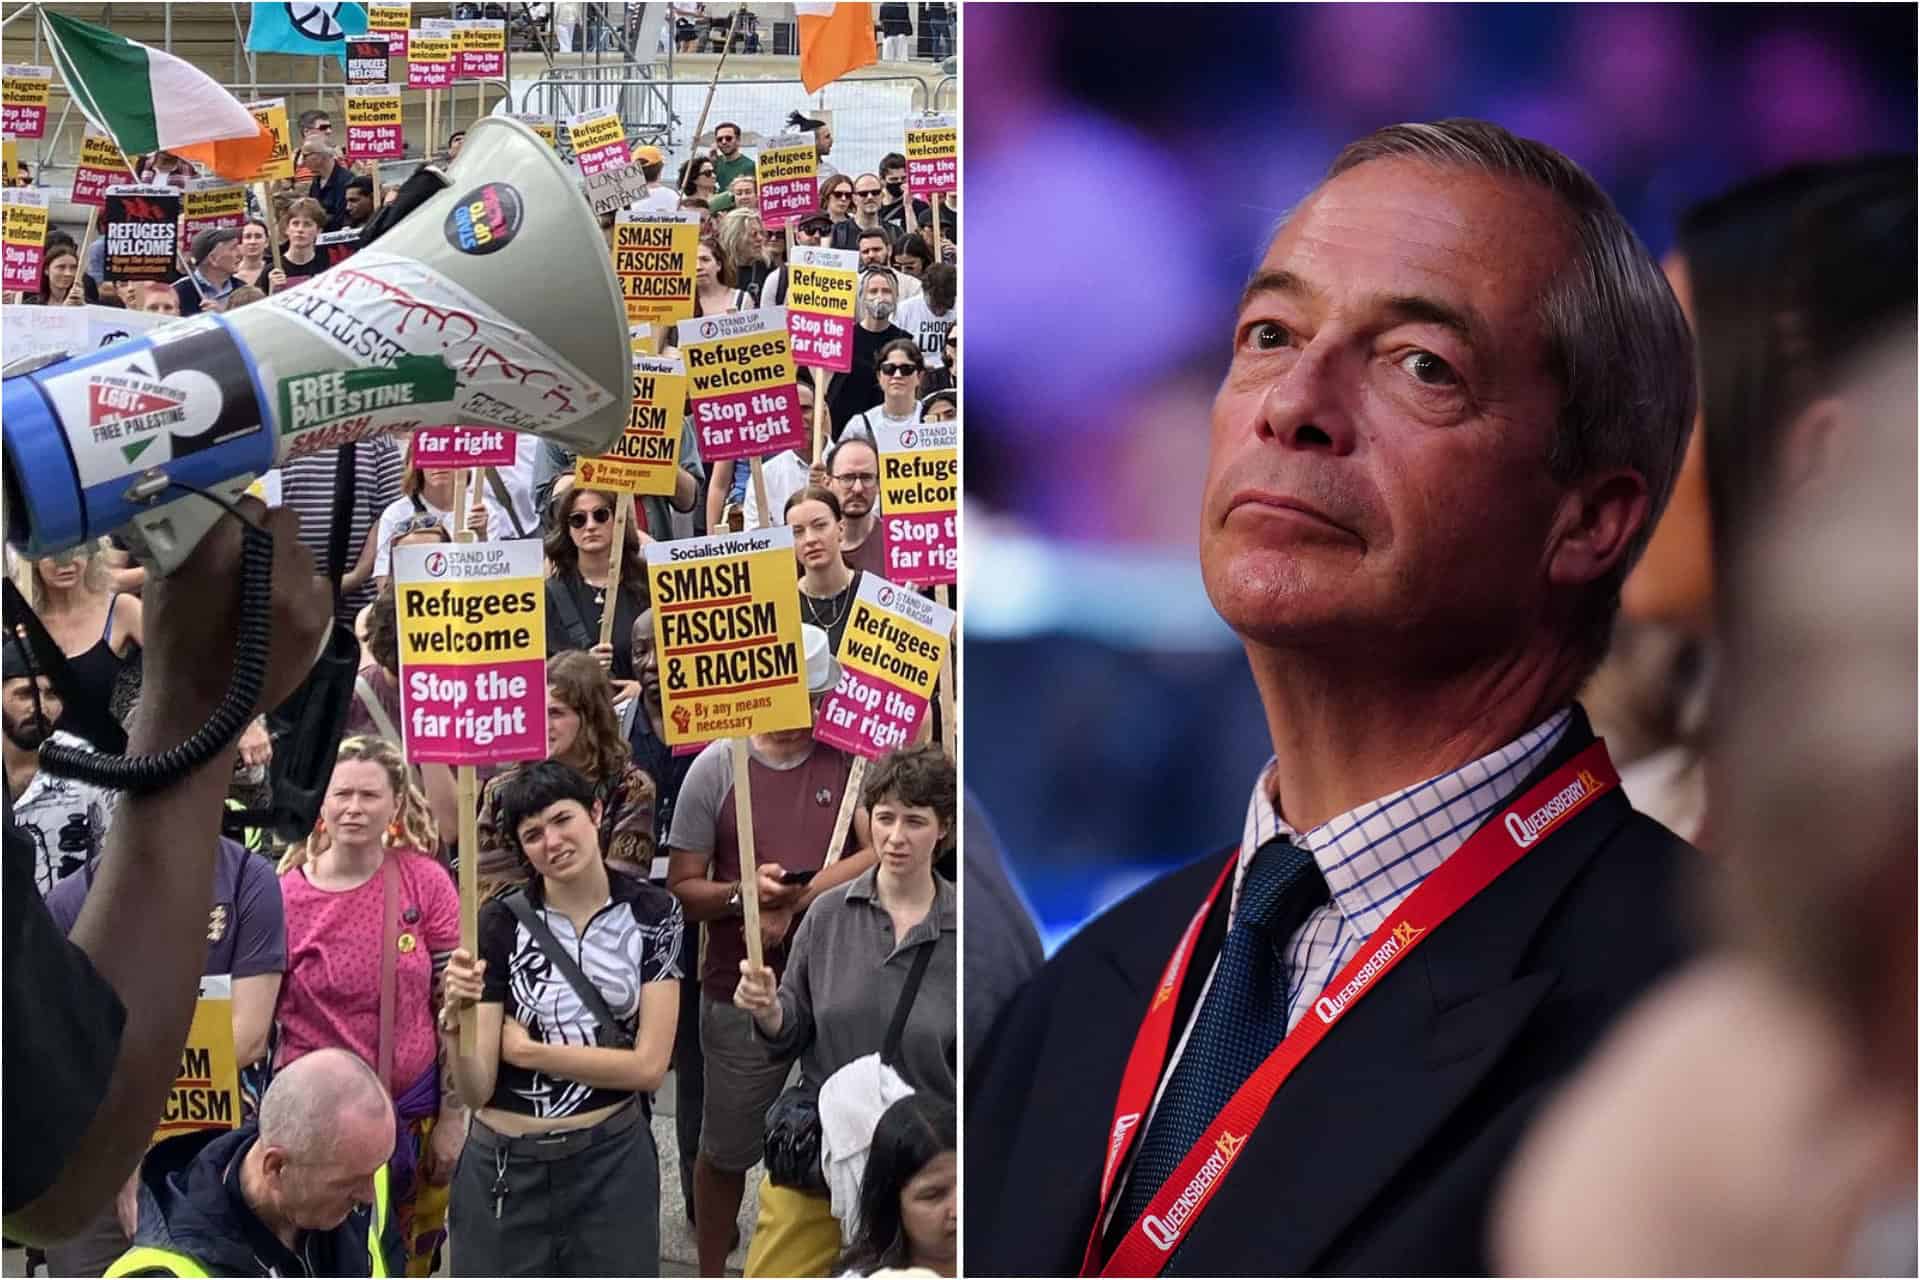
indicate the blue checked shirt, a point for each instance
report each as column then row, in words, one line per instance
column 1375, row 855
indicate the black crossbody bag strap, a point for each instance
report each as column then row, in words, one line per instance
column 560, row 592
column 582, row 985
column 890, row 1048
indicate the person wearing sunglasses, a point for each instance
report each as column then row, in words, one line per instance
column 899, row 367
column 865, row 208
column 836, row 198
column 698, row 177
column 855, row 392
column 579, row 564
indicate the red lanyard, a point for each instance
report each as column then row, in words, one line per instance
column 1497, row 845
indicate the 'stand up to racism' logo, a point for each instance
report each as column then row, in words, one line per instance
column 437, row 564
column 708, row 329
column 908, row 437
column 886, row 597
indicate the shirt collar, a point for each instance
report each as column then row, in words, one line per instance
column 865, row 887
column 1377, row 853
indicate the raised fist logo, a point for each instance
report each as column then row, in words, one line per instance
column 682, row 719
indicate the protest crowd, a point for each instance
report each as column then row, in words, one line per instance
column 758, row 927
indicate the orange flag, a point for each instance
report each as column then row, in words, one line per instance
column 834, row 39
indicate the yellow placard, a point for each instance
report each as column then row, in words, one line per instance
column 881, row 643
column 941, row 143
column 786, row 163
column 273, row 114
column 26, row 86
column 97, row 151
column 389, row 17
column 426, row 48
column 654, row 258
column 919, row 481
column 473, row 623
column 646, row 457
column 590, row 131
column 726, row 627
column 753, row 361
column 214, row 202
column 373, row 108
column 206, row 1089
column 24, row 224
column 480, row 36
column 823, row 290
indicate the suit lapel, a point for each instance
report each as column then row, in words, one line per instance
column 1385, row 1080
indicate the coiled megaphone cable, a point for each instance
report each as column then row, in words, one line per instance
column 144, row 774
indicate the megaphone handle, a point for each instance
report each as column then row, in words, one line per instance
column 142, row 775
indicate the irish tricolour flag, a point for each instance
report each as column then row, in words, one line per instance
column 149, row 100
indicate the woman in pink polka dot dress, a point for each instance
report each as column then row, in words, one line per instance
column 360, row 880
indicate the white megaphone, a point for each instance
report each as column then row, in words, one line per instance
column 493, row 303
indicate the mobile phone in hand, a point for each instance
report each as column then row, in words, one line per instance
column 798, row 877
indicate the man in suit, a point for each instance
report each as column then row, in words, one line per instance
column 1458, row 396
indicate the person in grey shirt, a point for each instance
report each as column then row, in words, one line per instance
column 854, row 948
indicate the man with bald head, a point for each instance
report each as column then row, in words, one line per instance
column 1457, row 395
column 303, row 1192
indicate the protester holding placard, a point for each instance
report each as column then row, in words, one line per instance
column 895, row 645
column 25, row 238
column 425, row 494
column 867, row 1003
column 782, row 474
column 796, row 788
column 855, row 392
column 372, row 917
column 579, row 569
column 561, row 1176
column 744, row 241
column 142, row 232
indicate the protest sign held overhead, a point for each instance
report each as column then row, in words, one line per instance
column 448, row 448
column 616, row 188
column 654, row 257
column 23, row 100
column 647, row 454
column 370, row 61
column 821, row 284
column 920, row 500
column 272, row 112
column 211, row 204
column 391, row 21
column 789, row 175
column 480, row 48
column 206, row 1089
column 473, row 652
column 933, row 155
column 23, row 227
column 142, row 232
column 429, row 59
column 374, row 128
column 890, row 657
column 726, row 629
column 102, row 165
column 598, row 141
column 741, row 375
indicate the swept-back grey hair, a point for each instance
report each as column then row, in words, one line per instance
column 1616, row 339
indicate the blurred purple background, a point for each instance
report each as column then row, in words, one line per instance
column 1125, row 165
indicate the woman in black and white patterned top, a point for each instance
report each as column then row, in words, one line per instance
column 560, row 1175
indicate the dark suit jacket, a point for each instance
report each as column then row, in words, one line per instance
column 1380, row 1154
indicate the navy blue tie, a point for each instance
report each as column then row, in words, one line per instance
column 1240, row 1022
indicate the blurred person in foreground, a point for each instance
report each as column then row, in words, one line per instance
column 98, row 1018
column 1658, row 1159
column 1458, row 393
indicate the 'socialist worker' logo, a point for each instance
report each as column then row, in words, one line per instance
column 1165, row 1231
column 1536, row 824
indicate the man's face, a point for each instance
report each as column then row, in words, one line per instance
column 1379, row 444
column 225, row 256
column 855, row 479
column 302, row 231
column 359, row 205
column 727, row 141
column 26, row 725
column 561, row 840
column 866, row 195
column 316, row 161
column 317, row 1195
column 873, row 251
column 646, row 660
column 806, row 235
column 454, row 144
column 878, row 291
column 823, row 139
column 894, row 180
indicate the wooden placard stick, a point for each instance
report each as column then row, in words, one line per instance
column 273, row 226
column 935, row 201
column 467, row 785
column 714, row 83
column 622, row 513
column 760, row 492
column 86, row 247
column 844, row 819
column 749, row 873
column 821, row 381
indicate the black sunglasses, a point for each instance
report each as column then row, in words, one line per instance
column 874, row 192
column 599, row 515
column 899, row 370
